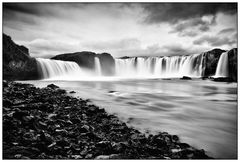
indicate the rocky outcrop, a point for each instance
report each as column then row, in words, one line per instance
column 17, row 64
column 87, row 59
column 210, row 61
column 83, row 59
column 232, row 64
column 107, row 64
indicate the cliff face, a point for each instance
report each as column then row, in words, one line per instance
column 232, row 64
column 17, row 64
column 210, row 61
column 87, row 60
column 84, row 59
column 107, row 64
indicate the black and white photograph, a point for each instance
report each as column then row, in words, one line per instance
column 119, row 80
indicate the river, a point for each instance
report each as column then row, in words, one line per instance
column 202, row 113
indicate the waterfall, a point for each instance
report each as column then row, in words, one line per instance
column 97, row 66
column 58, row 69
column 142, row 67
column 222, row 66
column 162, row 67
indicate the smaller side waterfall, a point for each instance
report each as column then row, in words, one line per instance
column 222, row 66
column 97, row 66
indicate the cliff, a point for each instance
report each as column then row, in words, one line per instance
column 17, row 64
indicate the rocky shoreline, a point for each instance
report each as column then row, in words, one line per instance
column 46, row 123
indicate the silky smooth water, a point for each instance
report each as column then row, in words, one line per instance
column 201, row 112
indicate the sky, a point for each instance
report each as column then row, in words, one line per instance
column 121, row 29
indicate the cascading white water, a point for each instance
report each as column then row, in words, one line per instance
column 162, row 67
column 58, row 69
column 143, row 67
column 97, row 66
column 222, row 66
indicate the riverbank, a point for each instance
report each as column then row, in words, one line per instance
column 48, row 124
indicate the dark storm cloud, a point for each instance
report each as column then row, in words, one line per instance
column 215, row 41
column 53, row 9
column 175, row 12
column 27, row 8
column 19, row 14
column 186, row 18
column 32, row 9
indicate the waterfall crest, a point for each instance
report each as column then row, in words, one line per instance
column 222, row 66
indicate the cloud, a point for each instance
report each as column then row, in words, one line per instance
column 215, row 41
column 50, row 48
column 175, row 12
column 35, row 9
column 187, row 19
column 28, row 8
column 127, row 43
column 193, row 27
column 175, row 49
column 172, row 49
column 48, row 29
column 227, row 31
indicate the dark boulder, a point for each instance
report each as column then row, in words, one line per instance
column 53, row 86
column 186, row 78
column 222, row 79
column 17, row 64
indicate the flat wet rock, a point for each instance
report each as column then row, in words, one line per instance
column 47, row 124
column 186, row 78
